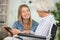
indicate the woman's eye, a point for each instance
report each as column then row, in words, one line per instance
column 23, row 11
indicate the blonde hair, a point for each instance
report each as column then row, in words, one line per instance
column 20, row 17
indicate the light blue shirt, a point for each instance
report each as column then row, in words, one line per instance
column 18, row 25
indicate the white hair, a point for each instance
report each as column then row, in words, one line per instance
column 44, row 5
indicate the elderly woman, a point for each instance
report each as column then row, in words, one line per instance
column 43, row 8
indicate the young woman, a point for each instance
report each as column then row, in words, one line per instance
column 24, row 24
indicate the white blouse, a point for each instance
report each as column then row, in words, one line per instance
column 46, row 23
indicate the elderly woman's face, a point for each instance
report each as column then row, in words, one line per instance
column 25, row 13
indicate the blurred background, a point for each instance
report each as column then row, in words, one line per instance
column 9, row 8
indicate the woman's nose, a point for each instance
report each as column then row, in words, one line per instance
column 26, row 12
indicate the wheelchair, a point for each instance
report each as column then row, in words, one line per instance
column 38, row 37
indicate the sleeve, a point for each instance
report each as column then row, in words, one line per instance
column 15, row 25
column 34, row 25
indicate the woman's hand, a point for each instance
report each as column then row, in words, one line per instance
column 26, row 31
column 3, row 28
column 15, row 31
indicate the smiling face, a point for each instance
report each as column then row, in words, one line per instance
column 25, row 13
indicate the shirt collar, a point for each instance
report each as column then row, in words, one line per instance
column 46, row 17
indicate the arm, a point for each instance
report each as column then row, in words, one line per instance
column 15, row 29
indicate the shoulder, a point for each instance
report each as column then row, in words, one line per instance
column 34, row 22
column 51, row 15
column 16, row 22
